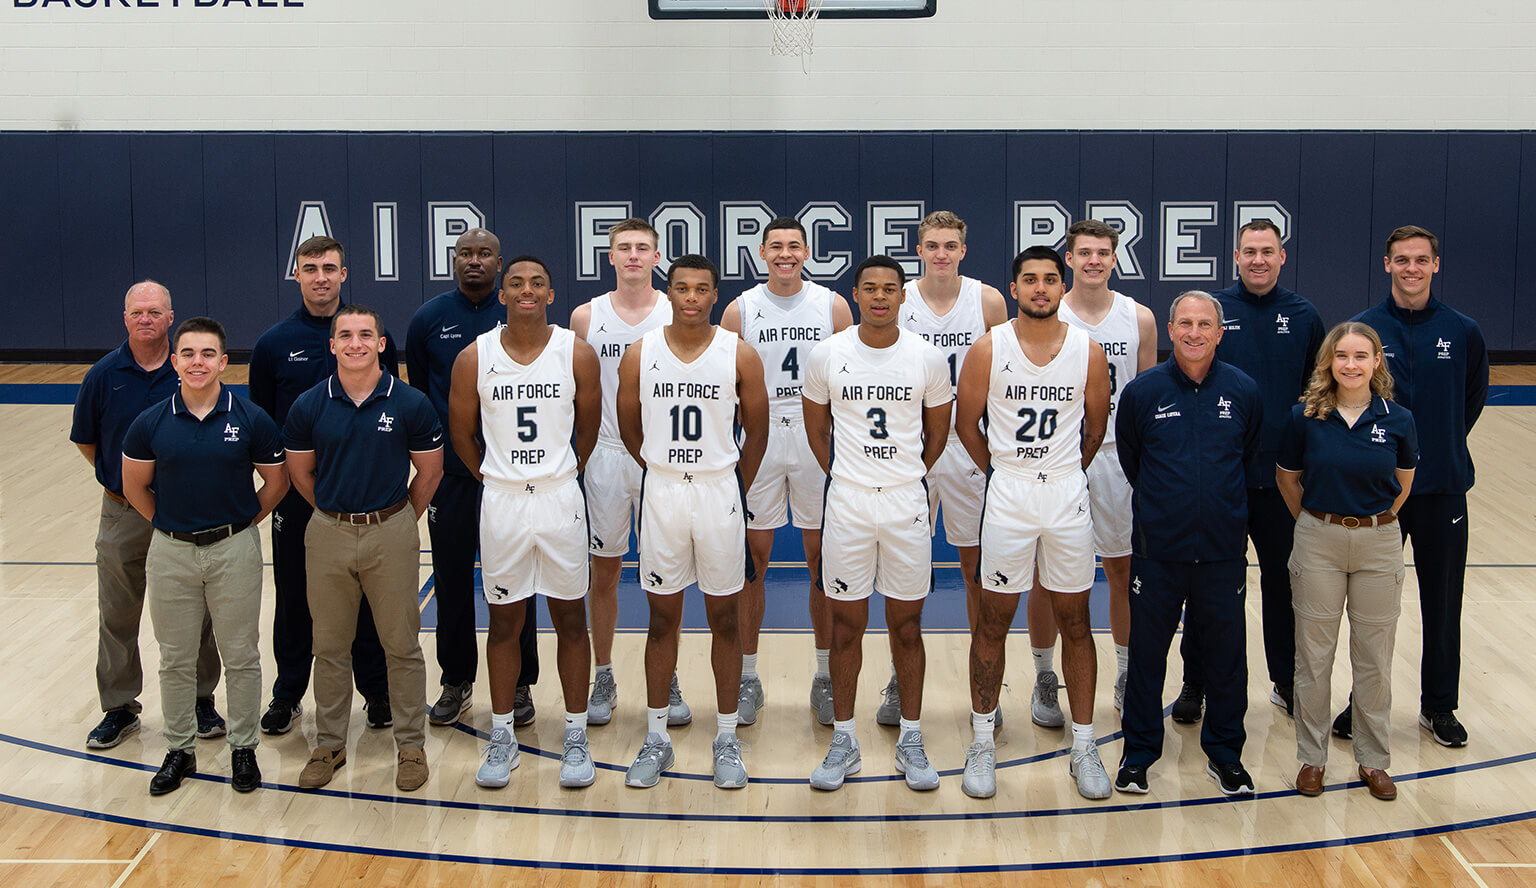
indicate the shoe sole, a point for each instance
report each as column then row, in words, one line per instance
column 667, row 763
column 277, row 732
column 902, row 769
column 1092, row 798
column 849, row 772
column 574, row 783
column 1188, row 720
column 676, row 721
column 601, row 719
column 457, row 716
column 1279, row 701
column 741, row 785
column 245, row 787
column 1240, row 791
column 978, row 794
column 1048, row 723
column 335, row 766
column 1429, row 726
column 212, row 733
column 121, row 736
column 1133, row 788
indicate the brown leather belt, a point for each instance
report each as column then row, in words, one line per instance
column 208, row 537
column 1352, row 521
column 358, row 519
column 115, row 497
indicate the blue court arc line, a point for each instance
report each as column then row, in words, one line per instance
column 594, row 814
column 1252, row 851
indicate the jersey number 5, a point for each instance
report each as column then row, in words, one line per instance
column 527, row 429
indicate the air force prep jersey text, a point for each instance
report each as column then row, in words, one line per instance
column 1035, row 414
column 1120, row 337
column 877, row 398
column 610, row 336
column 527, row 411
column 954, row 333
column 692, row 406
column 784, row 330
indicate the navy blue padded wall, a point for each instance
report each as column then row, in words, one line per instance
column 34, row 244
column 213, row 215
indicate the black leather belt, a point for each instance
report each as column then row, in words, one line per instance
column 210, row 536
column 1351, row 521
column 358, row 519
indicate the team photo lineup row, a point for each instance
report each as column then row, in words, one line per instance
column 1060, row 422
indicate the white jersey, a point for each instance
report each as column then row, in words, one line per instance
column 610, row 336
column 877, row 397
column 1120, row 336
column 1035, row 414
column 784, row 330
column 955, row 332
column 527, row 411
column 688, row 411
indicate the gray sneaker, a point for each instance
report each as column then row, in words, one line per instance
column 889, row 713
column 576, row 768
column 605, row 695
column 1088, row 770
column 1120, row 693
column 654, row 757
column 980, row 780
column 912, row 760
column 842, row 760
column 730, row 773
column 498, row 759
column 678, row 713
column 451, row 704
column 1043, row 708
column 821, row 698
column 750, row 700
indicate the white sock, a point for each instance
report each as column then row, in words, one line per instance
column 1045, row 658
column 984, row 724
column 725, row 724
column 749, row 665
column 912, row 724
column 1082, row 735
column 501, row 720
column 605, row 667
column 577, row 720
column 823, row 662
column 656, row 720
column 1123, row 658
column 846, row 727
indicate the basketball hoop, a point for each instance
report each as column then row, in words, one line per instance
column 794, row 26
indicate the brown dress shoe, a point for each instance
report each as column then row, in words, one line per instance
column 411, row 772
column 1379, row 782
column 1309, row 781
column 322, row 765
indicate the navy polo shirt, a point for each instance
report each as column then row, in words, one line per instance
column 1439, row 365
column 1274, row 339
column 440, row 330
column 115, row 391
column 203, row 466
column 362, row 451
column 1350, row 470
column 1184, row 447
column 293, row 357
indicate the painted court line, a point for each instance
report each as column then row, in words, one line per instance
column 1446, row 841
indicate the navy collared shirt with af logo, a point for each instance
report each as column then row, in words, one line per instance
column 115, row 391
column 203, row 466
column 1350, row 470
column 294, row 356
column 362, row 451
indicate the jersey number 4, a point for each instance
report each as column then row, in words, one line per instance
column 791, row 364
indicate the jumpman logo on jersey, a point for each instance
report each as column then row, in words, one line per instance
column 758, row 316
column 1007, row 367
column 844, row 370
column 655, row 365
column 998, row 578
column 733, row 509
column 602, row 328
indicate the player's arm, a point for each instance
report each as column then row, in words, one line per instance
column 301, row 473
column 581, row 320
column 1095, row 403
column 464, row 409
column 274, row 486
column 816, row 406
column 971, row 401
column 429, row 472
column 137, row 476
column 752, row 396
column 994, row 308
column 938, row 404
column 627, row 402
column 589, row 401
column 731, row 318
column 1146, row 336
column 842, row 315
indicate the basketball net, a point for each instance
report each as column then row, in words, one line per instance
column 794, row 26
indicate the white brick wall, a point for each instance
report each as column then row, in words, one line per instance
column 605, row 65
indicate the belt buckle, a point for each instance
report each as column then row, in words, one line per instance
column 1350, row 521
column 353, row 516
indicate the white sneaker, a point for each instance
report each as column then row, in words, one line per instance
column 821, row 698
column 730, row 771
column 605, row 695
column 889, row 713
column 654, row 757
column 980, row 780
column 678, row 713
column 1043, row 708
column 498, row 759
column 576, row 768
column 842, row 761
column 1092, row 780
column 912, row 760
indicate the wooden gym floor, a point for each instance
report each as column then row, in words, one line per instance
column 69, row 816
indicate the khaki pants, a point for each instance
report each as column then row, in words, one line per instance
column 1334, row 568
column 122, row 543
column 188, row 586
column 346, row 563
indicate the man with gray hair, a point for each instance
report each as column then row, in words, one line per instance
column 1185, row 430
column 116, row 390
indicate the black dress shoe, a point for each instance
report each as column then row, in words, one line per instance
column 244, row 776
column 179, row 764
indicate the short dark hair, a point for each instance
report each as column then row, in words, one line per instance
column 1261, row 224
column 694, row 260
column 634, row 224
column 358, row 308
column 1408, row 231
column 782, row 222
column 1035, row 253
column 200, row 324
column 321, row 244
column 527, row 258
column 879, row 261
column 1092, row 228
